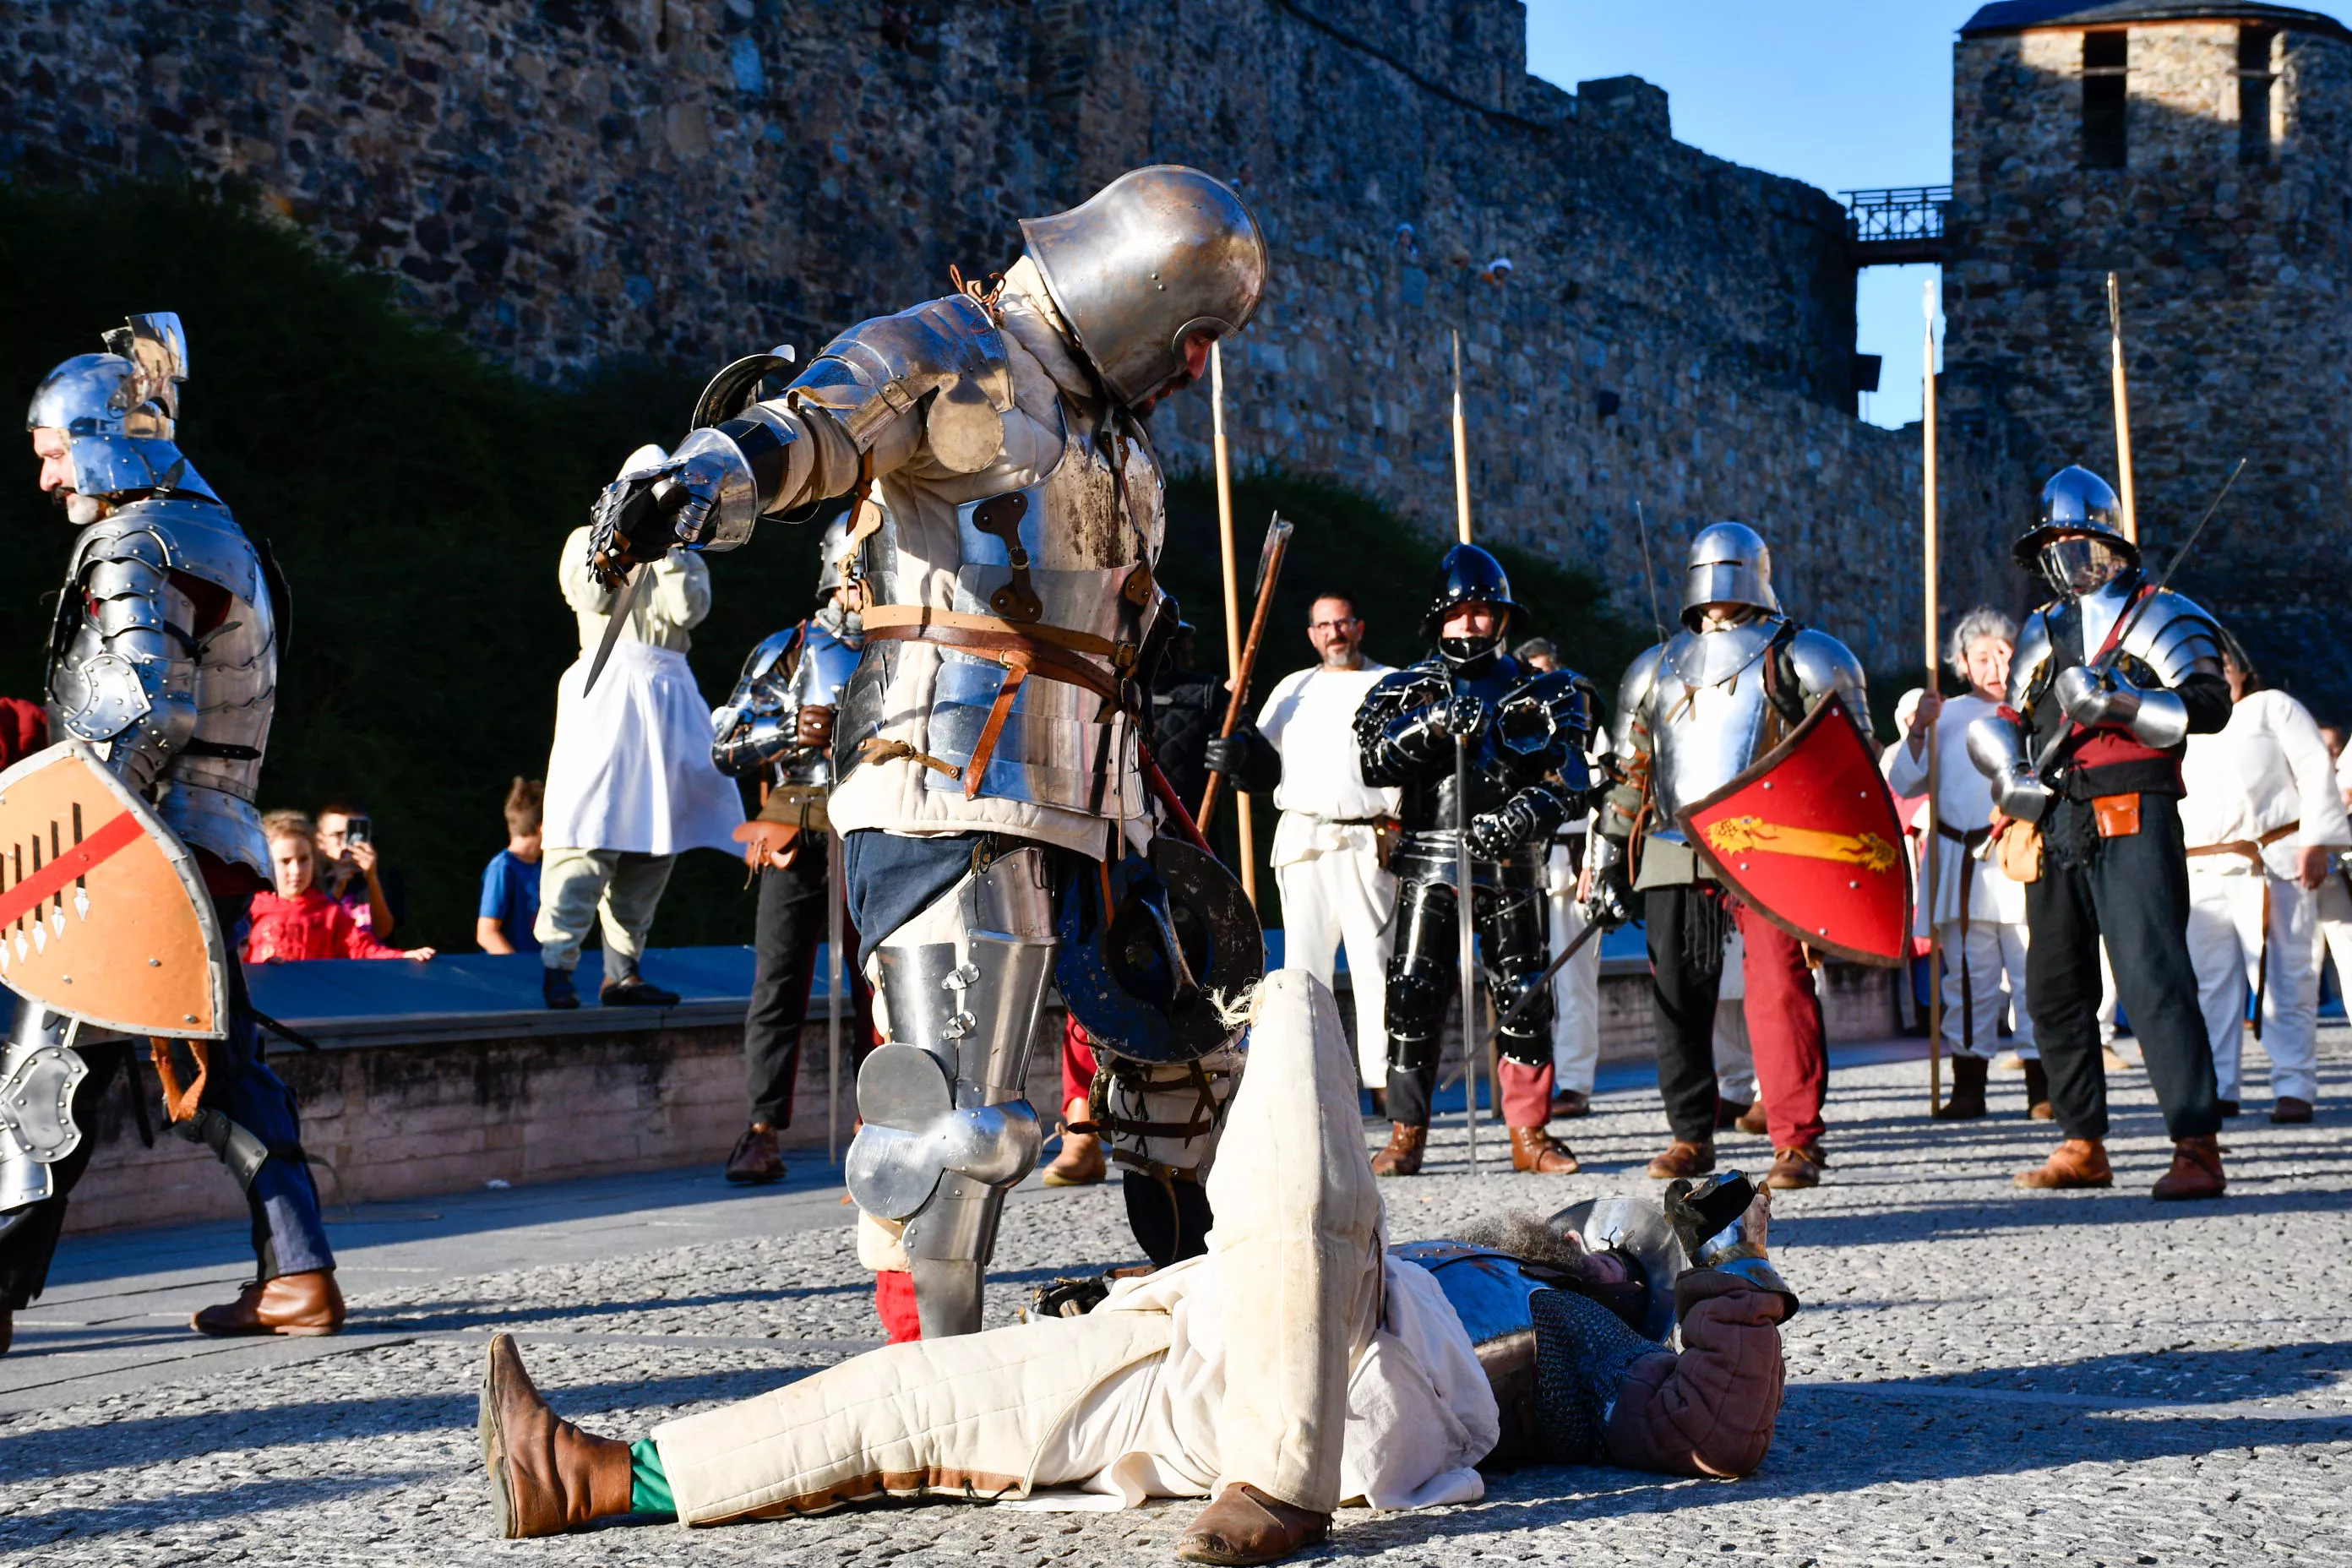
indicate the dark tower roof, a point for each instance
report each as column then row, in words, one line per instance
column 2010, row 15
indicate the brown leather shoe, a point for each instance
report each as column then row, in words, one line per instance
column 2037, row 1090
column 1079, row 1164
column 2291, row 1110
column 1245, row 1525
column 295, row 1304
column 756, row 1161
column 546, row 1475
column 1683, row 1159
column 1534, row 1149
column 1571, row 1103
column 1727, row 1112
column 1752, row 1121
column 2076, row 1163
column 1800, row 1166
column 1400, row 1158
column 2196, row 1171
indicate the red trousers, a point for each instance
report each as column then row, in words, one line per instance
column 1784, row 1018
column 1784, row 1026
column 1078, row 1061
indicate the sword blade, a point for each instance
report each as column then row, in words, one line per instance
column 1473, row 1037
column 625, row 604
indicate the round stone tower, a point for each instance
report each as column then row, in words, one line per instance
column 2199, row 152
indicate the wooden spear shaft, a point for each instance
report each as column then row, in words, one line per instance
column 1277, row 545
column 1932, row 846
column 1472, row 1035
column 2123, row 410
column 1232, row 607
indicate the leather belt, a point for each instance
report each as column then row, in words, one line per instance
column 1049, row 653
column 2252, row 848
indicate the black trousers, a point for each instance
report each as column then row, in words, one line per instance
column 1686, row 927
column 2134, row 890
column 26, row 1248
column 786, row 932
column 1425, row 975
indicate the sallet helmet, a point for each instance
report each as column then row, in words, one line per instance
column 2075, row 500
column 1155, row 257
column 1729, row 565
column 119, row 411
column 1468, row 575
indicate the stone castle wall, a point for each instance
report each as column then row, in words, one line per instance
column 567, row 181
column 2237, row 290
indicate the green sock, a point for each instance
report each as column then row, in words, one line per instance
column 649, row 1483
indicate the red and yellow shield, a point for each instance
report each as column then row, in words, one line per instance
column 1808, row 838
column 103, row 914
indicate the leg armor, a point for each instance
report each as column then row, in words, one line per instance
column 1420, row 982
column 39, row 1075
column 948, row 1129
column 1514, row 945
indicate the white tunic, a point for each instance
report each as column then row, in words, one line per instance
column 631, row 768
column 1964, row 804
column 1309, row 718
column 2266, row 768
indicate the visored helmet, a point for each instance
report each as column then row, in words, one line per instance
column 833, row 553
column 1468, row 575
column 119, row 411
column 1152, row 259
column 1729, row 565
column 2076, row 542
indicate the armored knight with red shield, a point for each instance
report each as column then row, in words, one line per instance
column 1748, row 796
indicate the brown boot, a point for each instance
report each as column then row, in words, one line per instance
column 1400, row 1158
column 1571, row 1103
column 1683, row 1159
column 1795, row 1167
column 546, row 1475
column 1534, row 1149
column 2196, row 1171
column 1967, row 1101
column 1081, row 1163
column 1245, row 1525
column 1727, row 1112
column 756, row 1161
column 2037, row 1090
column 1752, row 1122
column 296, row 1304
column 2076, row 1163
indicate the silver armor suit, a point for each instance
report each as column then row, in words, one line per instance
column 757, row 730
column 165, row 659
column 1007, row 525
column 2175, row 639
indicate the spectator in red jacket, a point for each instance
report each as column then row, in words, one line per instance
column 298, row 922
column 24, row 729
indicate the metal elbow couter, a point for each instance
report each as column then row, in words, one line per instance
column 2161, row 719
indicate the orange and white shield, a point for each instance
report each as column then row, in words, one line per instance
column 1808, row 838
column 103, row 914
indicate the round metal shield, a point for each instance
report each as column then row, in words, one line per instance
column 1143, row 977
column 1637, row 1227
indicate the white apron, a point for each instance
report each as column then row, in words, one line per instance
column 631, row 766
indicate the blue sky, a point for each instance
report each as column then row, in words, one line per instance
column 1842, row 94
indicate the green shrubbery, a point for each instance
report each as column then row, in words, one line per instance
column 418, row 495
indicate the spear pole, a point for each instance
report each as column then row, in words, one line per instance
column 1463, row 884
column 2123, row 409
column 1931, row 845
column 1232, row 603
column 836, row 982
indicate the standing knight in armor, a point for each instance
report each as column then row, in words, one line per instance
column 2108, row 682
column 778, row 728
column 1694, row 714
column 1009, row 515
column 165, row 659
column 1527, row 734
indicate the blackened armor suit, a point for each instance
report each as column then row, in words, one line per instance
column 1530, row 732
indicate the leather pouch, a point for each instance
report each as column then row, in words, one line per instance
column 2116, row 815
column 2016, row 850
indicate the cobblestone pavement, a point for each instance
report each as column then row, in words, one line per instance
column 1978, row 1375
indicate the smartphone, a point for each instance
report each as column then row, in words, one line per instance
column 358, row 830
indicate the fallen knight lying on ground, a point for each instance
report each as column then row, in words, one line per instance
column 1344, row 1369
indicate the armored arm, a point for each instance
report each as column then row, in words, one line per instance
column 758, row 725
column 124, row 678
column 2165, row 683
column 933, row 380
column 1825, row 666
column 1622, row 807
column 1407, row 725
column 1996, row 746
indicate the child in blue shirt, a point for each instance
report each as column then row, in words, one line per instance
column 511, row 882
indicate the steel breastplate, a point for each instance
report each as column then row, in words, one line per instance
column 1709, row 715
column 1087, row 568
